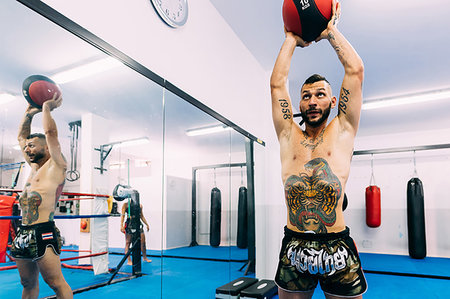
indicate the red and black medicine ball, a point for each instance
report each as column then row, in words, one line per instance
column 37, row 89
column 307, row 18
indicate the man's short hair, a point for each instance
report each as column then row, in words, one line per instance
column 38, row 135
column 315, row 78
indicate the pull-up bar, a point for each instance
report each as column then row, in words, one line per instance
column 225, row 165
column 402, row 149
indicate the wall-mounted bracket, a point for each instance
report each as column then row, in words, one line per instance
column 104, row 150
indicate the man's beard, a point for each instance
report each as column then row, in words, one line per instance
column 37, row 157
column 318, row 122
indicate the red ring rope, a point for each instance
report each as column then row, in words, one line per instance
column 64, row 259
column 63, row 193
column 75, row 250
column 77, row 267
column 76, row 198
column 86, row 267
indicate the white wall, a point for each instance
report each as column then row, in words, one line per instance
column 177, row 212
column 148, row 182
column 392, row 172
column 8, row 175
column 270, row 208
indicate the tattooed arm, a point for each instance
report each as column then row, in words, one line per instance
column 51, row 131
column 25, row 129
column 281, row 103
column 350, row 98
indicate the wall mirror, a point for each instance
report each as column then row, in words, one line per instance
column 177, row 156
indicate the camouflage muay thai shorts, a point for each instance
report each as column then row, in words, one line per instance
column 331, row 259
column 31, row 241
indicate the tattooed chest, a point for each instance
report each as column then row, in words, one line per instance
column 29, row 203
column 312, row 197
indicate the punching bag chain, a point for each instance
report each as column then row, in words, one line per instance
column 414, row 160
column 215, row 184
column 372, row 177
column 242, row 177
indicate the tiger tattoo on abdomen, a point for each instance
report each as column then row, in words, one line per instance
column 312, row 197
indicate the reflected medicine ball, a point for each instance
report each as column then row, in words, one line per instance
column 37, row 89
column 307, row 18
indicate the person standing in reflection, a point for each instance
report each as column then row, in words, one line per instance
column 37, row 245
column 315, row 165
column 125, row 228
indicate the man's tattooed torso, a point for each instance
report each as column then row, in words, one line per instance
column 40, row 196
column 312, row 197
column 29, row 203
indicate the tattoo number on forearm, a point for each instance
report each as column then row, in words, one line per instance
column 286, row 112
column 344, row 100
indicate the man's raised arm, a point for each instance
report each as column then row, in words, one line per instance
column 25, row 129
column 281, row 102
column 51, row 131
column 350, row 97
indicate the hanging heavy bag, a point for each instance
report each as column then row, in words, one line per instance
column 215, row 217
column 242, row 230
column 373, row 206
column 373, row 203
column 417, row 244
column 344, row 202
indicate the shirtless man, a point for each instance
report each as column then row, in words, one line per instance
column 315, row 167
column 38, row 243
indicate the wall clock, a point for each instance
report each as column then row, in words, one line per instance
column 173, row 12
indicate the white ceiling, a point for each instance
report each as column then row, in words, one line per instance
column 404, row 46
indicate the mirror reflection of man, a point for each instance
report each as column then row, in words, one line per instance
column 37, row 245
column 315, row 165
column 125, row 227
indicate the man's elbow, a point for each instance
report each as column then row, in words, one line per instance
column 51, row 133
column 277, row 82
column 357, row 70
column 22, row 139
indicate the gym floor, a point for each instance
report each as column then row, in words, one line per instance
column 388, row 276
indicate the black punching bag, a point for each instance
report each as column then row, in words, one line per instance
column 215, row 217
column 345, row 202
column 242, row 230
column 417, row 244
